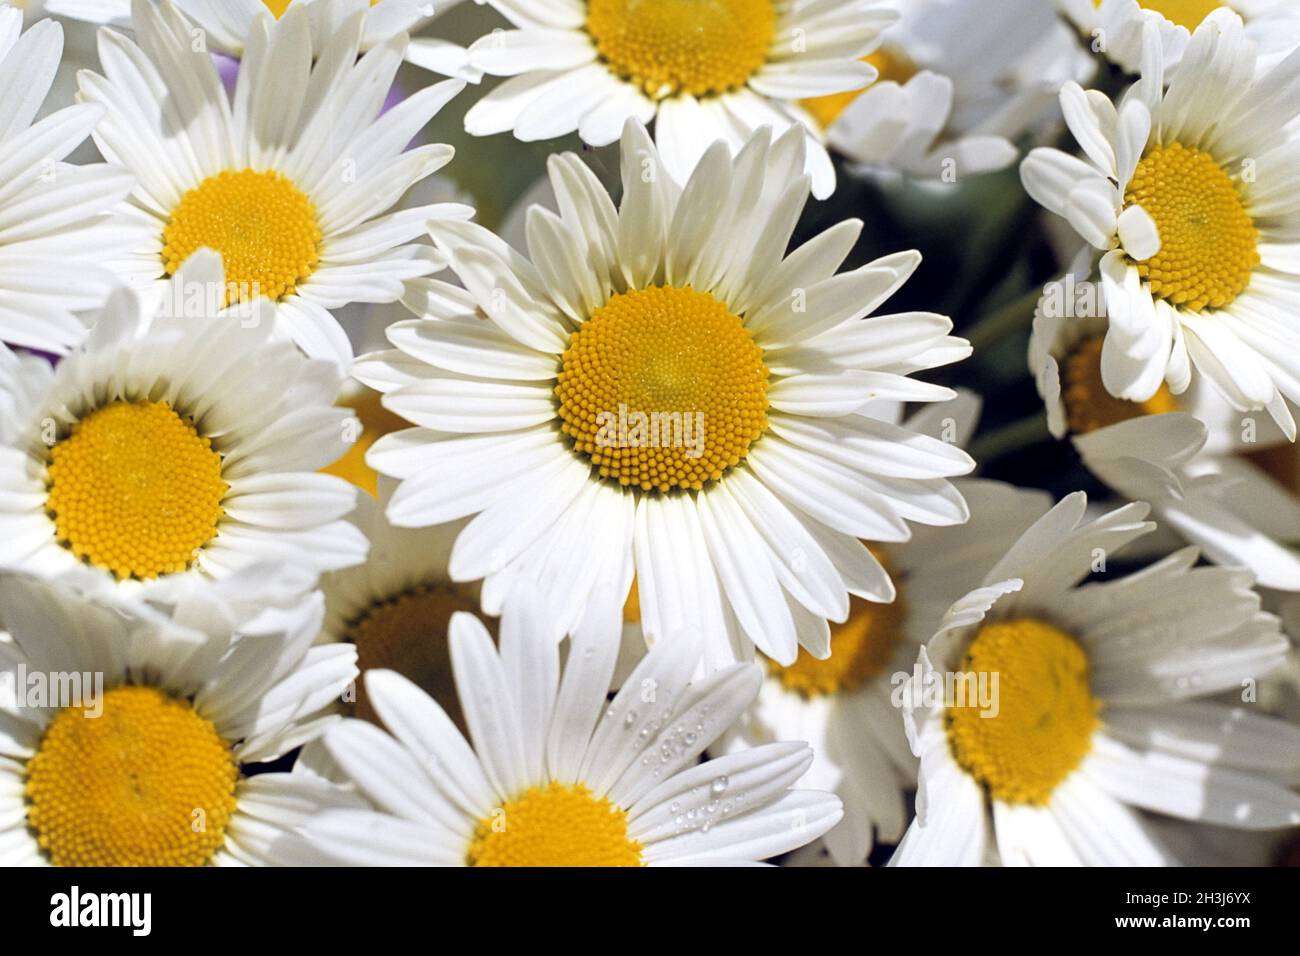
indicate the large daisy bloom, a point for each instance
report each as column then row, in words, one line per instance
column 1114, row 28
column 396, row 607
column 174, row 447
column 557, row 774
column 291, row 181
column 1191, row 193
column 1046, row 713
column 51, row 213
column 1181, row 454
column 703, row 71
column 143, row 763
column 665, row 375
column 959, row 82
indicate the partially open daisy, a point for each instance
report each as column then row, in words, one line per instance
column 704, row 70
column 1113, row 28
column 1045, row 712
column 662, row 390
column 1181, row 454
column 396, row 608
column 52, row 214
column 140, row 759
column 167, row 447
column 1190, row 193
column 557, row 774
column 959, row 82
column 291, row 181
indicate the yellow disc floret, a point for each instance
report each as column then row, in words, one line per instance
column 407, row 632
column 264, row 227
column 1184, row 13
column 147, row 782
column 1208, row 243
column 555, row 825
column 1042, row 715
column 667, row 47
column 1088, row 405
column 135, row 490
column 663, row 388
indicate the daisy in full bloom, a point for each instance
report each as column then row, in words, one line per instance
column 291, row 181
column 703, row 70
column 662, row 390
column 1183, row 454
column 396, row 607
column 1191, row 194
column 1045, row 713
column 1114, row 27
column 843, row 706
column 140, row 759
column 51, row 213
column 557, row 774
column 959, row 82
column 171, row 447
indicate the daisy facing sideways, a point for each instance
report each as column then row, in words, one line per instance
column 291, row 181
column 662, row 390
column 174, row 447
column 1191, row 194
column 558, row 775
column 51, row 213
column 143, row 763
column 960, row 81
column 702, row 71
column 1080, row 705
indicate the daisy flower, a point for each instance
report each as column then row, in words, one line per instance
column 703, row 71
column 1080, row 704
column 144, row 763
column 1114, row 27
column 51, row 213
column 1190, row 193
column 558, row 775
column 396, row 608
column 1182, row 454
column 536, row 388
column 168, row 447
column 959, row 82
column 291, row 181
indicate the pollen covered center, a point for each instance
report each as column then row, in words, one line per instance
column 1208, row 243
column 135, row 490
column 1042, row 715
column 861, row 648
column 264, row 227
column 147, row 782
column 663, row 388
column 555, row 825
column 667, row 47
column 1088, row 405
column 1184, row 13
column 407, row 633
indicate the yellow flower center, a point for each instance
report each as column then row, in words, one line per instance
column 146, row 783
column 666, row 47
column 556, row 825
column 1088, row 405
column 1184, row 13
column 663, row 388
column 890, row 64
column 135, row 490
column 1208, row 242
column 861, row 648
column 376, row 422
column 408, row 633
column 264, row 227
column 1040, row 727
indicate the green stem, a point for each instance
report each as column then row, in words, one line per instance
column 1011, row 437
column 991, row 327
